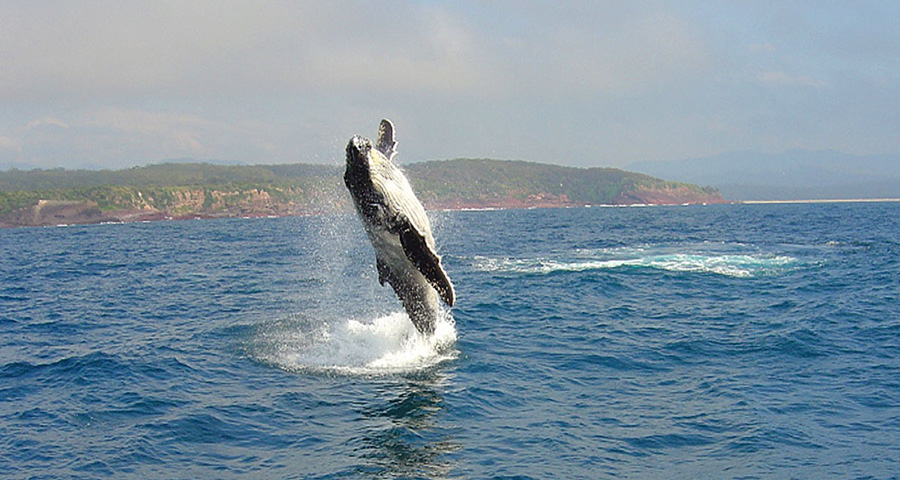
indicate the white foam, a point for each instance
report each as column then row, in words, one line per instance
column 383, row 345
column 727, row 265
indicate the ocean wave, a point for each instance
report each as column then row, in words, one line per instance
column 739, row 265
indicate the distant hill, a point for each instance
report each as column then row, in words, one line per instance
column 191, row 190
column 463, row 183
column 792, row 175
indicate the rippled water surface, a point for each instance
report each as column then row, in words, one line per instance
column 729, row 341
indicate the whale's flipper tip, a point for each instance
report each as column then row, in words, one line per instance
column 386, row 144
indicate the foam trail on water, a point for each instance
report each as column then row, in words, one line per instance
column 382, row 345
column 730, row 265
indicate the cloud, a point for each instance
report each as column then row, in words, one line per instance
column 112, row 137
column 97, row 50
column 10, row 143
column 570, row 49
column 139, row 121
column 781, row 79
column 152, row 136
column 645, row 51
column 51, row 121
column 115, row 83
column 426, row 49
column 765, row 48
column 247, row 48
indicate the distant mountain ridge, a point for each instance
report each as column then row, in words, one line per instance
column 192, row 190
column 791, row 175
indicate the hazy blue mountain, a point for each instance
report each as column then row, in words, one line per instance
column 792, row 175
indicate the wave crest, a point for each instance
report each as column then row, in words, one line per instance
column 730, row 265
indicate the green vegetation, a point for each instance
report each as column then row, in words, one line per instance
column 185, row 189
column 484, row 179
column 167, row 187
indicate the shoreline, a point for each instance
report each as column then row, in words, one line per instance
column 120, row 217
column 822, row 200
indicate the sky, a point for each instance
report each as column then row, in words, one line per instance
column 111, row 84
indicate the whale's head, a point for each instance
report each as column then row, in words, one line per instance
column 362, row 155
column 363, row 160
column 359, row 151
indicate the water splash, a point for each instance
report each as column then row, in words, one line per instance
column 383, row 345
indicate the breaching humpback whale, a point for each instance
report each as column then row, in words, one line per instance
column 398, row 228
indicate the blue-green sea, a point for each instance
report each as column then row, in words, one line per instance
column 689, row 342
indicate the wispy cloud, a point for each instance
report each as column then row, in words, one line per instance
column 10, row 143
column 45, row 121
column 190, row 48
column 764, row 47
column 230, row 47
column 781, row 79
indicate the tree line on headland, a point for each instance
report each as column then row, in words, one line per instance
column 202, row 190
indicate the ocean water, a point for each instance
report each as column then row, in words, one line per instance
column 725, row 341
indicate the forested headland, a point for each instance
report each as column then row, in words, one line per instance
column 203, row 190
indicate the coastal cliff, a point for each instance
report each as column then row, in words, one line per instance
column 183, row 191
column 55, row 212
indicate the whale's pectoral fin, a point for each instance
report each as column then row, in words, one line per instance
column 386, row 143
column 426, row 261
